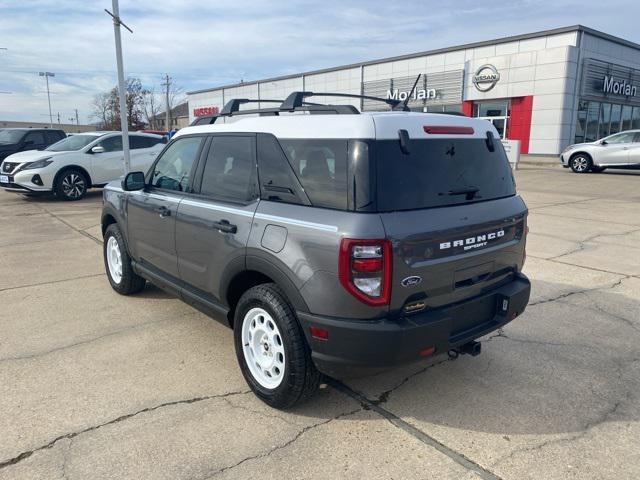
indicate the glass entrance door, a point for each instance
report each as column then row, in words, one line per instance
column 495, row 111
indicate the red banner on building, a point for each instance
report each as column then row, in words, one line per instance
column 204, row 111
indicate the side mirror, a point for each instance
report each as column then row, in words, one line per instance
column 97, row 149
column 27, row 144
column 603, row 142
column 133, row 181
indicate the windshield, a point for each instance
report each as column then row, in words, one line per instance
column 441, row 172
column 11, row 136
column 73, row 143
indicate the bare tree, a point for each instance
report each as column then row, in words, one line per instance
column 101, row 107
column 151, row 107
column 106, row 106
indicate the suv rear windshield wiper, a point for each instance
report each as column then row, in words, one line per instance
column 470, row 192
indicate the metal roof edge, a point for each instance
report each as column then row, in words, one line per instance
column 484, row 43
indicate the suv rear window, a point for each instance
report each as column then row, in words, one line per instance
column 321, row 167
column 436, row 171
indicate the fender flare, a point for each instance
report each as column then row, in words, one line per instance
column 267, row 268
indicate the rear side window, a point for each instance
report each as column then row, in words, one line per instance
column 172, row 169
column 277, row 181
column 53, row 137
column 321, row 166
column 137, row 142
column 36, row 138
column 440, row 172
column 229, row 171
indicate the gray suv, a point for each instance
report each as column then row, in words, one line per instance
column 330, row 241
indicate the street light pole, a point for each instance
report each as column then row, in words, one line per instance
column 124, row 126
column 46, row 75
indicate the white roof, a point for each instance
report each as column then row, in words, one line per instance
column 367, row 125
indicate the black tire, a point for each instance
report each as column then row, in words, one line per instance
column 129, row 282
column 581, row 163
column 301, row 379
column 595, row 169
column 71, row 184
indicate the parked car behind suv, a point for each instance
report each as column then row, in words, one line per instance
column 69, row 167
column 621, row 150
column 330, row 243
column 14, row 140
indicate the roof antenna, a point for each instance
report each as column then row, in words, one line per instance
column 405, row 108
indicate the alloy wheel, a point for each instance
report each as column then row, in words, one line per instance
column 73, row 185
column 580, row 164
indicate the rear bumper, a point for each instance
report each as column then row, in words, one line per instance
column 357, row 347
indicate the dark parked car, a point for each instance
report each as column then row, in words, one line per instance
column 13, row 140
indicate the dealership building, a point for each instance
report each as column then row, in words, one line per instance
column 546, row 89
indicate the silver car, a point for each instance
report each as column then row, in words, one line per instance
column 621, row 150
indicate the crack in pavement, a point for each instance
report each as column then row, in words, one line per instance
column 570, row 202
column 423, row 437
column 81, row 232
column 69, row 436
column 586, row 219
column 617, row 283
column 53, row 282
column 95, row 339
column 586, row 429
column 258, row 412
column 559, row 262
column 295, row 438
column 384, row 396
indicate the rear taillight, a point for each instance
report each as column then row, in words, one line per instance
column 364, row 269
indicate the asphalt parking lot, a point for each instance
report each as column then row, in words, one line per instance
column 96, row 385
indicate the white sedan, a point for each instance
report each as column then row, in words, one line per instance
column 621, row 150
column 71, row 166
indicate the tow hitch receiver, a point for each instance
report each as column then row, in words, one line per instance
column 472, row 348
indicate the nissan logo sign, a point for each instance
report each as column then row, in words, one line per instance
column 486, row 78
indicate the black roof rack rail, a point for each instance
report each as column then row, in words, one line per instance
column 232, row 108
column 296, row 99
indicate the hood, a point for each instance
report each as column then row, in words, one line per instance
column 32, row 156
column 577, row 145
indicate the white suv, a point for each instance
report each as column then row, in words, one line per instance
column 71, row 166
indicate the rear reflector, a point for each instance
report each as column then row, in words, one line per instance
column 447, row 130
column 427, row 352
column 319, row 333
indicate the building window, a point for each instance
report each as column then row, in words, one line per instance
column 598, row 120
column 627, row 110
column 635, row 119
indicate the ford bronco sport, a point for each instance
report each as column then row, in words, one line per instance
column 329, row 240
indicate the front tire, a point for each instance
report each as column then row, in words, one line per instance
column 581, row 163
column 117, row 263
column 272, row 351
column 71, row 184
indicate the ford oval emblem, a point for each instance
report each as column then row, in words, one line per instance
column 411, row 281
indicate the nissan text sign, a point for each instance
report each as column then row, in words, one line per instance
column 204, row 111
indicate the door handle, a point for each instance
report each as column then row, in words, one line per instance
column 224, row 226
column 163, row 211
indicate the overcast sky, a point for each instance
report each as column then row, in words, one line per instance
column 206, row 43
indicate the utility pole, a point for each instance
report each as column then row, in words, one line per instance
column 77, row 121
column 58, row 118
column 46, row 75
column 124, row 126
column 167, row 114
